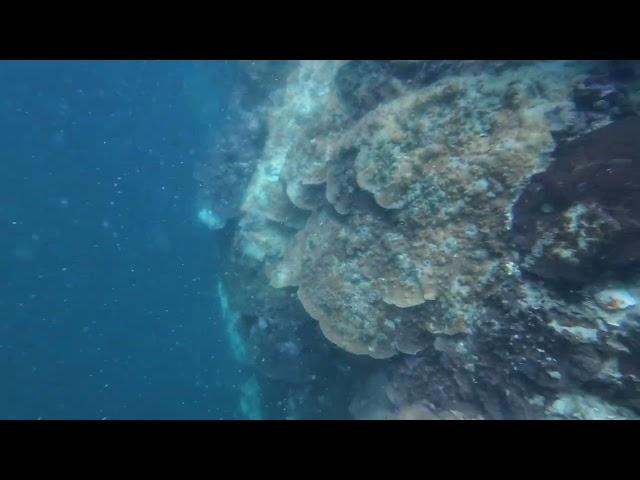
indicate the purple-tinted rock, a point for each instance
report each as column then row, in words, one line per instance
column 581, row 217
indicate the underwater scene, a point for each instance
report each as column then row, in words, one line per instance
column 320, row 239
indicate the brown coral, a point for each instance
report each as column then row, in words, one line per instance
column 410, row 233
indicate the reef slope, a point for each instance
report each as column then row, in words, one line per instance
column 442, row 239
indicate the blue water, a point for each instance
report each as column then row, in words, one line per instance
column 108, row 306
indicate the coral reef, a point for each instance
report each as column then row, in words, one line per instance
column 224, row 176
column 442, row 240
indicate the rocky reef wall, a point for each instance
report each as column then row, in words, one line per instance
column 440, row 239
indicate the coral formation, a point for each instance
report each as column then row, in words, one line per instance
column 463, row 233
column 223, row 177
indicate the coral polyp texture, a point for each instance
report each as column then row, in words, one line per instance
column 442, row 239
